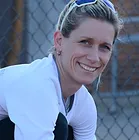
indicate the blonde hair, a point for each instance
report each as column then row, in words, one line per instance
column 77, row 15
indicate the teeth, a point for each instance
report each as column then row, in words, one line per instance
column 87, row 68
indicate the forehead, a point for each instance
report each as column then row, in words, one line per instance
column 96, row 29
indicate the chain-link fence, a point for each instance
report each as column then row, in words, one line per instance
column 26, row 33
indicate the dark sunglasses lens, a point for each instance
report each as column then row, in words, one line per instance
column 79, row 2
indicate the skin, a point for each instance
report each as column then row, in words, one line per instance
column 85, row 54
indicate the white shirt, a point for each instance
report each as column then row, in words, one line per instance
column 30, row 94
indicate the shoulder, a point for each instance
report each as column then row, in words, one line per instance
column 17, row 72
column 84, row 118
column 83, row 96
column 29, row 81
column 84, row 104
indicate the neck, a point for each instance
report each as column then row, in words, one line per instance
column 68, row 85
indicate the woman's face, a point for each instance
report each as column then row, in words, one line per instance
column 87, row 51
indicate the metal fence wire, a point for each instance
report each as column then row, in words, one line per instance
column 26, row 33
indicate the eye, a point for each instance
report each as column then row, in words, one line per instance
column 106, row 47
column 85, row 42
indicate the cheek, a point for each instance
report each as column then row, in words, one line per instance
column 73, row 52
column 80, row 51
column 106, row 59
column 77, row 54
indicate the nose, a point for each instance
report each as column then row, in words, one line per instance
column 93, row 55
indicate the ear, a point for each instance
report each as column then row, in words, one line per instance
column 58, row 40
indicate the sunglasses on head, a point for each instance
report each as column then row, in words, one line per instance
column 79, row 3
column 84, row 2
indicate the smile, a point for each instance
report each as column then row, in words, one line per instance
column 87, row 68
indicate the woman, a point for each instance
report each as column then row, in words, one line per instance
column 35, row 95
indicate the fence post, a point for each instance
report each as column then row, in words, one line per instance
column 114, row 67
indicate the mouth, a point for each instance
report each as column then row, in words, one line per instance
column 87, row 68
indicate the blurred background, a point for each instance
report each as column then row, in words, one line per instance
column 26, row 34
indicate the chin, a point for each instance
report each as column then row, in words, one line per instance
column 86, row 82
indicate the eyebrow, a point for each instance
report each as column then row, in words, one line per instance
column 92, row 39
